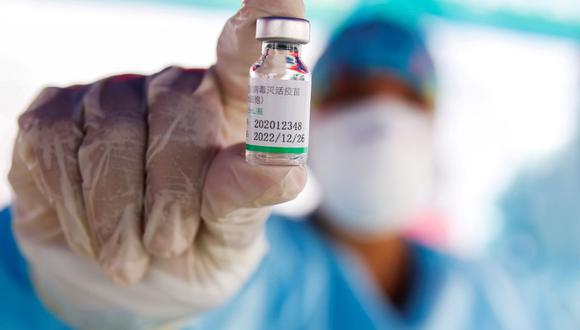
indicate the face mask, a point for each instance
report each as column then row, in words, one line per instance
column 374, row 162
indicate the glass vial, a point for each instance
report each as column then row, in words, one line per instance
column 279, row 94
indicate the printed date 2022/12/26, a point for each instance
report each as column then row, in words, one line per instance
column 279, row 137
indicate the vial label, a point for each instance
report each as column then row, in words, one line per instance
column 278, row 116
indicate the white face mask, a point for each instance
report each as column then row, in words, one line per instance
column 374, row 161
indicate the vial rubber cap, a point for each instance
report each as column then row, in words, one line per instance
column 278, row 28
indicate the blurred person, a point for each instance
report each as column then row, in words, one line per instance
column 539, row 242
column 146, row 176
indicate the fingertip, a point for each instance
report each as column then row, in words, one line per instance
column 239, row 184
column 294, row 8
column 286, row 182
column 123, row 257
column 165, row 245
column 125, row 273
column 168, row 234
column 165, row 252
column 294, row 182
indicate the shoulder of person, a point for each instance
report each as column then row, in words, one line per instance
column 293, row 234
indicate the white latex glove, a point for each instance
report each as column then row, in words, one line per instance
column 145, row 178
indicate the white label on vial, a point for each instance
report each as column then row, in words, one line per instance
column 278, row 116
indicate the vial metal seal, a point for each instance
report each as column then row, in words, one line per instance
column 279, row 94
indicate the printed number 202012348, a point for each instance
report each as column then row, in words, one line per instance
column 278, row 125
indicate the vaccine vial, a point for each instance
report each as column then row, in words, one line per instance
column 279, row 94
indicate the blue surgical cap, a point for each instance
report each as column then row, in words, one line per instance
column 376, row 45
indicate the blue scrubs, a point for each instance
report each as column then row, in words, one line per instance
column 304, row 282
column 21, row 308
column 539, row 244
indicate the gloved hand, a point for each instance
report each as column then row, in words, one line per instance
column 146, row 176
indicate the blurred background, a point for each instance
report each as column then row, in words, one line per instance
column 508, row 79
